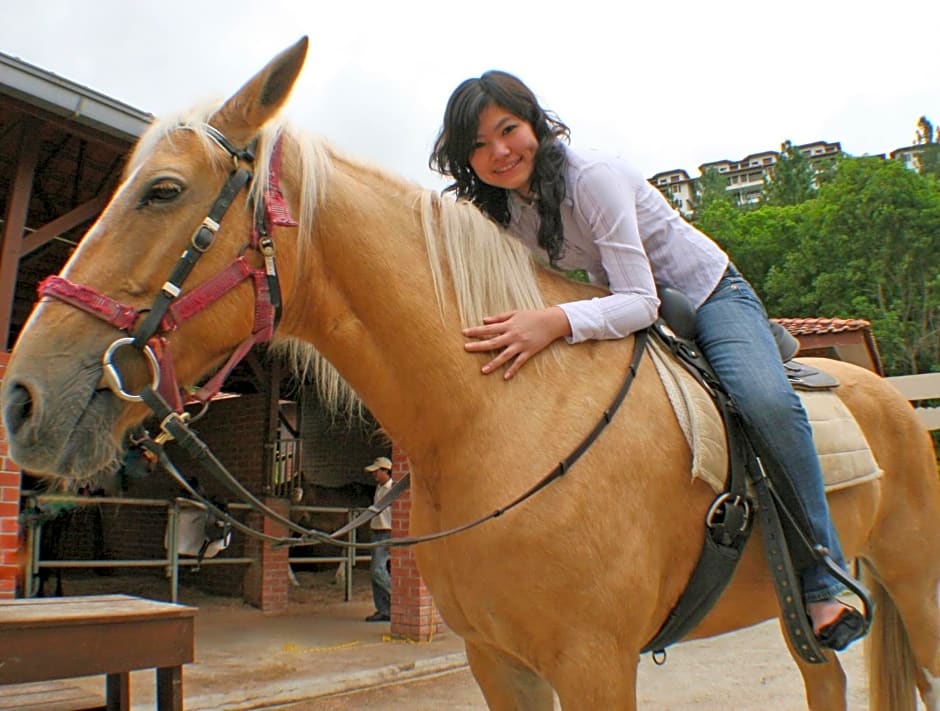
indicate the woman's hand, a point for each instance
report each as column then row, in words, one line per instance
column 517, row 335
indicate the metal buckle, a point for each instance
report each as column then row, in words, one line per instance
column 113, row 378
column 212, row 227
column 718, row 508
column 165, row 436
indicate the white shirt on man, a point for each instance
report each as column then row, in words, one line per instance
column 382, row 521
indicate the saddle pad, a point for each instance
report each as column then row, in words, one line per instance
column 844, row 454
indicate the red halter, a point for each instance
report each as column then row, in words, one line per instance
column 171, row 308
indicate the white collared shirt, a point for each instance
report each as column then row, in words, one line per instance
column 627, row 237
column 382, row 521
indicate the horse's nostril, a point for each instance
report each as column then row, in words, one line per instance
column 17, row 408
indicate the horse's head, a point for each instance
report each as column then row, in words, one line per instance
column 71, row 390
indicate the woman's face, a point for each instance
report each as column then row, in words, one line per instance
column 504, row 150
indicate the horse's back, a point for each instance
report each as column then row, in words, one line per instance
column 886, row 417
column 901, row 446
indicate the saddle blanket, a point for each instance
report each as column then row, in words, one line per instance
column 844, row 454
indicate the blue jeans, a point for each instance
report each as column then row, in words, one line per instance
column 734, row 335
column 381, row 579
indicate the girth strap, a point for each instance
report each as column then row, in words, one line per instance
column 728, row 522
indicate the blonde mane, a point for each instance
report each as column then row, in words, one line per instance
column 490, row 273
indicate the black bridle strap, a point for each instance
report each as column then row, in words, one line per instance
column 200, row 243
column 246, row 154
column 176, row 428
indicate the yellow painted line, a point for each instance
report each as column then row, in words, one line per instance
column 294, row 649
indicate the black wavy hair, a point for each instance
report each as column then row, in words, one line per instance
column 454, row 144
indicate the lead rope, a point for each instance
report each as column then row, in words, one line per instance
column 175, row 426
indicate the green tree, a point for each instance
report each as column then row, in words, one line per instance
column 761, row 239
column 711, row 188
column 928, row 159
column 793, row 179
column 868, row 247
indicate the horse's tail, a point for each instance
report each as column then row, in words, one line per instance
column 891, row 667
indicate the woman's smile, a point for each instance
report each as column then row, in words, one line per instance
column 504, row 150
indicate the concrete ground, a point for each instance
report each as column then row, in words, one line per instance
column 248, row 660
column 323, row 648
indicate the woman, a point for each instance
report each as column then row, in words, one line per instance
column 597, row 213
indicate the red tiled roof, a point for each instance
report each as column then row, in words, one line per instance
column 816, row 326
column 819, row 333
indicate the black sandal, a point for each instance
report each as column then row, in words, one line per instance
column 848, row 627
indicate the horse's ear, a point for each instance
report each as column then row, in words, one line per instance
column 262, row 96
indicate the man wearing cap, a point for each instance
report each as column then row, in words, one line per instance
column 381, row 470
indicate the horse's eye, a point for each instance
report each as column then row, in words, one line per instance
column 163, row 191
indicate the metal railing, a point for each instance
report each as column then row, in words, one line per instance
column 286, row 474
column 172, row 561
column 349, row 557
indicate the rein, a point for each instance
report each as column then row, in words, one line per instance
column 171, row 307
column 175, row 427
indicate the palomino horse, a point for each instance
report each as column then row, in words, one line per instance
column 562, row 592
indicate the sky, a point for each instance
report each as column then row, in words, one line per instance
column 664, row 84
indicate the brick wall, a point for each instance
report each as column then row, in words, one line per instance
column 9, row 511
column 414, row 615
column 233, row 429
column 266, row 581
column 334, row 450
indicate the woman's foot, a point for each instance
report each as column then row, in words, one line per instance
column 835, row 624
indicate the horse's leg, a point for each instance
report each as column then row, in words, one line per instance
column 905, row 640
column 587, row 690
column 507, row 685
column 904, row 554
column 918, row 604
column 902, row 547
column 596, row 675
column 824, row 683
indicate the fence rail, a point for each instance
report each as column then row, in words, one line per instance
column 925, row 386
column 172, row 562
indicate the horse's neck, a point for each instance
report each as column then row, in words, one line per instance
column 365, row 300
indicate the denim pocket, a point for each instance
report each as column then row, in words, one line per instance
column 734, row 286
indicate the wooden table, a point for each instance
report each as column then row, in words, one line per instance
column 60, row 638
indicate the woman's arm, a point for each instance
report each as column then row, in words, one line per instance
column 605, row 202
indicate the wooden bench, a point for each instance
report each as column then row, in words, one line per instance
column 62, row 638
